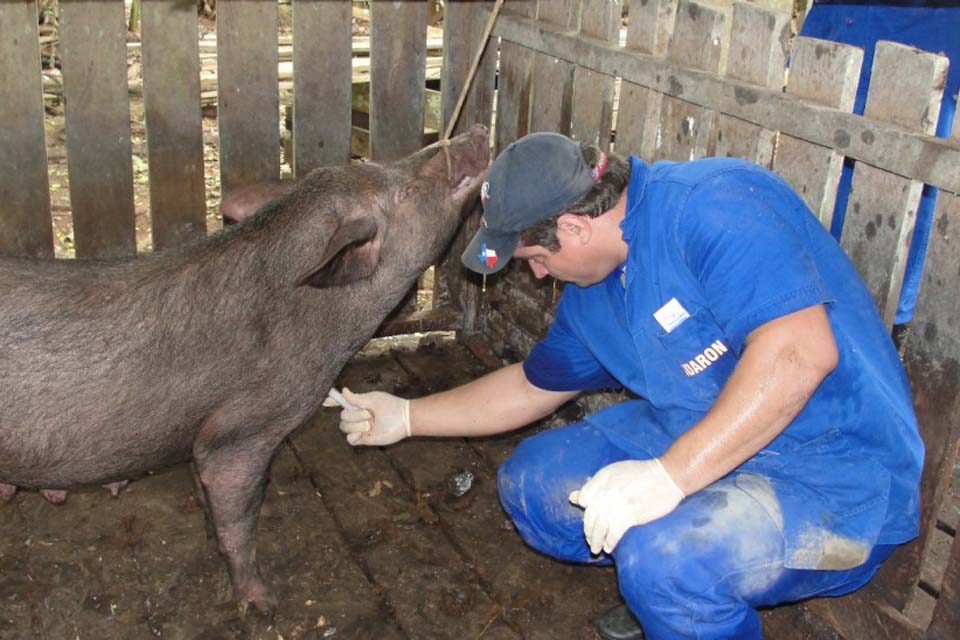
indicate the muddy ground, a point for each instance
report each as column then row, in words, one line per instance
column 358, row 543
column 363, row 543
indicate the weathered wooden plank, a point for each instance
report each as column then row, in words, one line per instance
column 97, row 109
column 553, row 78
column 946, row 615
column 758, row 51
column 464, row 23
column 530, row 586
column 25, row 224
column 638, row 114
column 825, row 73
column 927, row 158
column 514, row 88
column 697, row 43
column 248, row 98
column 933, row 365
column 306, row 558
column 905, row 90
column 171, row 97
column 430, row 589
column 322, row 84
column 592, row 115
column 398, row 51
column 864, row 615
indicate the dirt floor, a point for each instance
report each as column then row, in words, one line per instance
column 358, row 543
column 364, row 543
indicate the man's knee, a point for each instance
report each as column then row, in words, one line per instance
column 718, row 540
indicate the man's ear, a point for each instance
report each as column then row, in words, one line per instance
column 351, row 254
column 575, row 226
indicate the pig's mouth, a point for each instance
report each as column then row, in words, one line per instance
column 463, row 186
column 464, row 172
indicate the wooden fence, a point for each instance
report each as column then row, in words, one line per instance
column 685, row 80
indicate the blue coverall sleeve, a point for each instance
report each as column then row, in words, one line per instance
column 561, row 361
column 741, row 235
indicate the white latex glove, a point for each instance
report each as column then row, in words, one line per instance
column 376, row 418
column 621, row 495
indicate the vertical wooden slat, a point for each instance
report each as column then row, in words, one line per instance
column 25, row 224
column 463, row 25
column 946, row 615
column 398, row 54
column 513, row 92
column 905, row 89
column 553, row 78
column 932, row 359
column 171, row 96
column 322, row 84
column 697, row 43
column 97, row 108
column 248, row 94
column 592, row 91
column 758, row 52
column 649, row 29
column 824, row 73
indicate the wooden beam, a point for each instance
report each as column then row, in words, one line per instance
column 932, row 160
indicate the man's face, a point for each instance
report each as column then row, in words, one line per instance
column 571, row 263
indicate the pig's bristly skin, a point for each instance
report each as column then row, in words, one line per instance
column 217, row 351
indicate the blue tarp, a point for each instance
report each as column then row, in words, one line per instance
column 930, row 26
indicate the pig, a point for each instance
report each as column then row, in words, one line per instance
column 217, row 351
column 243, row 202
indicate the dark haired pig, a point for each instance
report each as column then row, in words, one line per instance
column 217, row 351
column 243, row 202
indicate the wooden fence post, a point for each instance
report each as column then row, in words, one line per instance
column 905, row 89
column 25, row 224
column 398, row 54
column 171, row 97
column 758, row 52
column 248, row 96
column 592, row 114
column 825, row 73
column 514, row 87
column 553, row 78
column 638, row 113
column 94, row 57
column 322, row 84
column 697, row 42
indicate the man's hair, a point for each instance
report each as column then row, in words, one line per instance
column 598, row 200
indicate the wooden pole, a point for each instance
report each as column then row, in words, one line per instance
column 473, row 70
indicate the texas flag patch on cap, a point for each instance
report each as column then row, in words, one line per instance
column 487, row 256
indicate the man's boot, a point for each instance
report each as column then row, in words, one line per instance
column 618, row 624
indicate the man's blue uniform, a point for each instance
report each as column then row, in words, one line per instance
column 716, row 248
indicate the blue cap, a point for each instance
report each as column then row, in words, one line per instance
column 535, row 178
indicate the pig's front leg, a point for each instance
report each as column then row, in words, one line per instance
column 232, row 474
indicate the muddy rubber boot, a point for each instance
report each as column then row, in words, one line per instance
column 618, row 624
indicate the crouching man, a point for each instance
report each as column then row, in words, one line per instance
column 771, row 453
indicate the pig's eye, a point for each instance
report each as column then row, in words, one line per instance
column 412, row 191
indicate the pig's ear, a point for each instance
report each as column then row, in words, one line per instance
column 352, row 254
